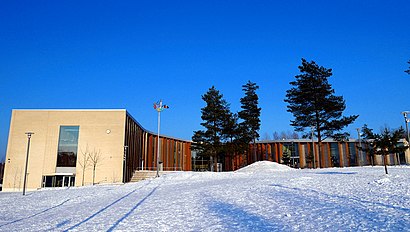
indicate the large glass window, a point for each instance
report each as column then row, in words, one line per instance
column 67, row 146
column 334, row 151
column 353, row 155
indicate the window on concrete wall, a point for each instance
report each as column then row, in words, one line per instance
column 67, row 146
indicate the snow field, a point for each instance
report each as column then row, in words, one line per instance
column 264, row 196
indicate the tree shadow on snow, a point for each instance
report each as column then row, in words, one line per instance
column 337, row 173
column 347, row 199
column 237, row 219
column 364, row 213
column 132, row 210
column 36, row 214
column 106, row 207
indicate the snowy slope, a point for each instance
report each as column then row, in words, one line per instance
column 261, row 197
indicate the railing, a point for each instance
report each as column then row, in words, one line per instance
column 161, row 169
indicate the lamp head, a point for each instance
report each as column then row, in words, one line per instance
column 29, row 134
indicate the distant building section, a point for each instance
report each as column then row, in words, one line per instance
column 298, row 153
column 84, row 147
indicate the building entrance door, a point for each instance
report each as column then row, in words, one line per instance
column 58, row 181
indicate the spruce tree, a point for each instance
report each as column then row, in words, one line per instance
column 209, row 142
column 231, row 134
column 250, row 114
column 312, row 102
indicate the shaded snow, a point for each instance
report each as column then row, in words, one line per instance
column 334, row 199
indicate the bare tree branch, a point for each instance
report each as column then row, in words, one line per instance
column 84, row 162
column 95, row 159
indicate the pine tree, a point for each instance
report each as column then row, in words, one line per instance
column 384, row 143
column 250, row 114
column 209, row 142
column 312, row 102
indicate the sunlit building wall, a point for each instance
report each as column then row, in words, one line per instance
column 68, row 145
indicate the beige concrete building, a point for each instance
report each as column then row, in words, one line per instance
column 68, row 145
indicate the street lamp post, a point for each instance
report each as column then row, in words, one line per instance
column 360, row 147
column 25, row 170
column 125, row 164
column 372, row 153
column 407, row 120
column 159, row 107
column 313, row 148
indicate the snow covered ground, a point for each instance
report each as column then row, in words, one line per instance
column 262, row 197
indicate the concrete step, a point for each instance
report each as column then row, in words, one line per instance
column 143, row 175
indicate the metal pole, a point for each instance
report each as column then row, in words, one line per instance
column 360, row 147
column 313, row 149
column 406, row 120
column 125, row 164
column 25, row 170
column 407, row 129
column 159, row 124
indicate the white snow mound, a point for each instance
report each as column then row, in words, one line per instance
column 264, row 166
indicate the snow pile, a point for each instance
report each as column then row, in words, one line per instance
column 264, row 166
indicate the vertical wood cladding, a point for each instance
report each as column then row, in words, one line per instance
column 333, row 154
column 140, row 153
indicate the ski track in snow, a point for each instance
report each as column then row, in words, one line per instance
column 263, row 197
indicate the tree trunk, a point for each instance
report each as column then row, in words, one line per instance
column 385, row 164
column 319, row 143
column 371, row 158
column 216, row 163
column 82, row 182
column 233, row 162
column 93, row 175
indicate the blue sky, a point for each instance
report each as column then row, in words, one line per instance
column 129, row 54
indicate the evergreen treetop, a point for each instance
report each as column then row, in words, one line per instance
column 250, row 112
column 312, row 102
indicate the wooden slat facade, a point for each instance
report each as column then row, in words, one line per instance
column 141, row 151
column 333, row 154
